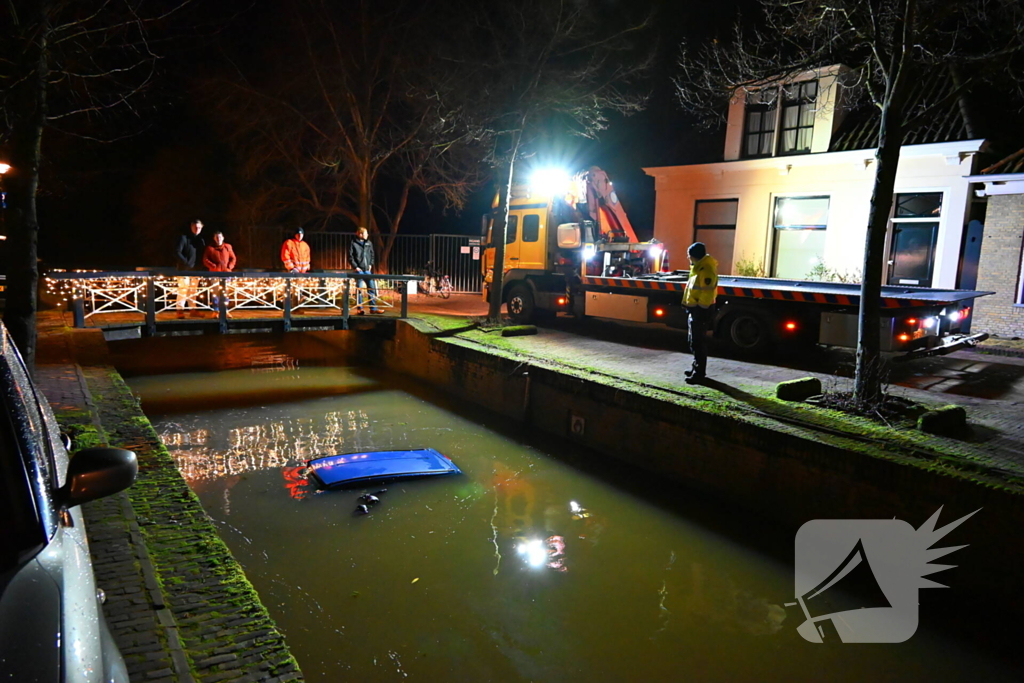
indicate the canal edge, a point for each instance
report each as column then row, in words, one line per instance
column 178, row 602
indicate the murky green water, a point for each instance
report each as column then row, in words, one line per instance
column 494, row 575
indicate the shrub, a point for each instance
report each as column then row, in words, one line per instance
column 749, row 267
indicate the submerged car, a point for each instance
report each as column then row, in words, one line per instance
column 51, row 617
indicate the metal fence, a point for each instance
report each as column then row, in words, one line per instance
column 457, row 256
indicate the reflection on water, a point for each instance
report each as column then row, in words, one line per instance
column 202, row 454
column 526, row 567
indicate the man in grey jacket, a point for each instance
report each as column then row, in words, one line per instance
column 360, row 258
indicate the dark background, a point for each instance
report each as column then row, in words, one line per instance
column 97, row 197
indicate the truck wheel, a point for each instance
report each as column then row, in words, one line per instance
column 520, row 304
column 746, row 332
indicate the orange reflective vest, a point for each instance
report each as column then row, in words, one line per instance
column 295, row 255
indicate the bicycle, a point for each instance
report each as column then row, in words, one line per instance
column 436, row 284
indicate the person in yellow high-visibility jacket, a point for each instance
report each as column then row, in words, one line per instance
column 699, row 299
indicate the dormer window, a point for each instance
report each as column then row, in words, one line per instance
column 759, row 132
column 794, row 120
column 798, row 106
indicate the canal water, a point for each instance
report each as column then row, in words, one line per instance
column 539, row 562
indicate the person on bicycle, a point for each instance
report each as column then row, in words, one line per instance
column 360, row 258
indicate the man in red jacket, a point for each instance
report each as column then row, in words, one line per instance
column 219, row 257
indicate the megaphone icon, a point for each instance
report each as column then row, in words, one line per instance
column 852, row 585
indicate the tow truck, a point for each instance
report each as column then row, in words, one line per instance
column 570, row 248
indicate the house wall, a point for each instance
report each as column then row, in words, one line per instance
column 999, row 268
column 846, row 177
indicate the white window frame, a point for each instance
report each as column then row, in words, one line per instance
column 773, row 236
column 777, row 105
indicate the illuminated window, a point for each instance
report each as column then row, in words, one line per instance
column 800, row 227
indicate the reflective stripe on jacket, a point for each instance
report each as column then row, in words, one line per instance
column 295, row 255
column 702, row 285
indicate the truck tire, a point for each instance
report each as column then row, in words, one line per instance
column 520, row 304
column 746, row 332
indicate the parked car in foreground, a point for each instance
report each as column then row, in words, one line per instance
column 51, row 617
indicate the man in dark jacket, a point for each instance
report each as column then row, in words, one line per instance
column 188, row 250
column 360, row 258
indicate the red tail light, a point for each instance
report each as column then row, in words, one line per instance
column 904, row 337
column 911, row 321
column 790, row 326
column 562, row 301
column 659, row 312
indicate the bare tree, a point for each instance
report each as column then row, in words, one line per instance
column 542, row 64
column 888, row 45
column 353, row 110
column 63, row 64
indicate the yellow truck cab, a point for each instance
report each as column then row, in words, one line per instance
column 554, row 239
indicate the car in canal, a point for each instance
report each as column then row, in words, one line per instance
column 51, row 618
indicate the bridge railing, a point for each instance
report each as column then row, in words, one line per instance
column 149, row 293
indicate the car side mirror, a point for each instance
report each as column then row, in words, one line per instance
column 97, row 472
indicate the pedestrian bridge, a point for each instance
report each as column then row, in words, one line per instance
column 148, row 303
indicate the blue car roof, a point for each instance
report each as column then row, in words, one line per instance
column 356, row 468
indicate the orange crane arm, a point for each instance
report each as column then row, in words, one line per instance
column 604, row 207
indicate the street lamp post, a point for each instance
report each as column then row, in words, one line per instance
column 4, row 168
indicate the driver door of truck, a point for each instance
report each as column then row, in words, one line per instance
column 532, row 243
column 512, row 245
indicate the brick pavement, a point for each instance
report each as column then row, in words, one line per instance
column 178, row 604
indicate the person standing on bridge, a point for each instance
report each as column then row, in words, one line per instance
column 188, row 250
column 219, row 257
column 360, row 258
column 699, row 299
column 295, row 253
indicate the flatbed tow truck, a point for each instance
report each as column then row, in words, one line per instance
column 574, row 252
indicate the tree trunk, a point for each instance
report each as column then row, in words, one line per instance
column 389, row 243
column 868, row 381
column 22, row 183
column 499, row 229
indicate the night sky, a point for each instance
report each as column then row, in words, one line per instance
column 96, row 198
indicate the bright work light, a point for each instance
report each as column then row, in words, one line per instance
column 551, row 182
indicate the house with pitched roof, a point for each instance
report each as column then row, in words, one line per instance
column 790, row 198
